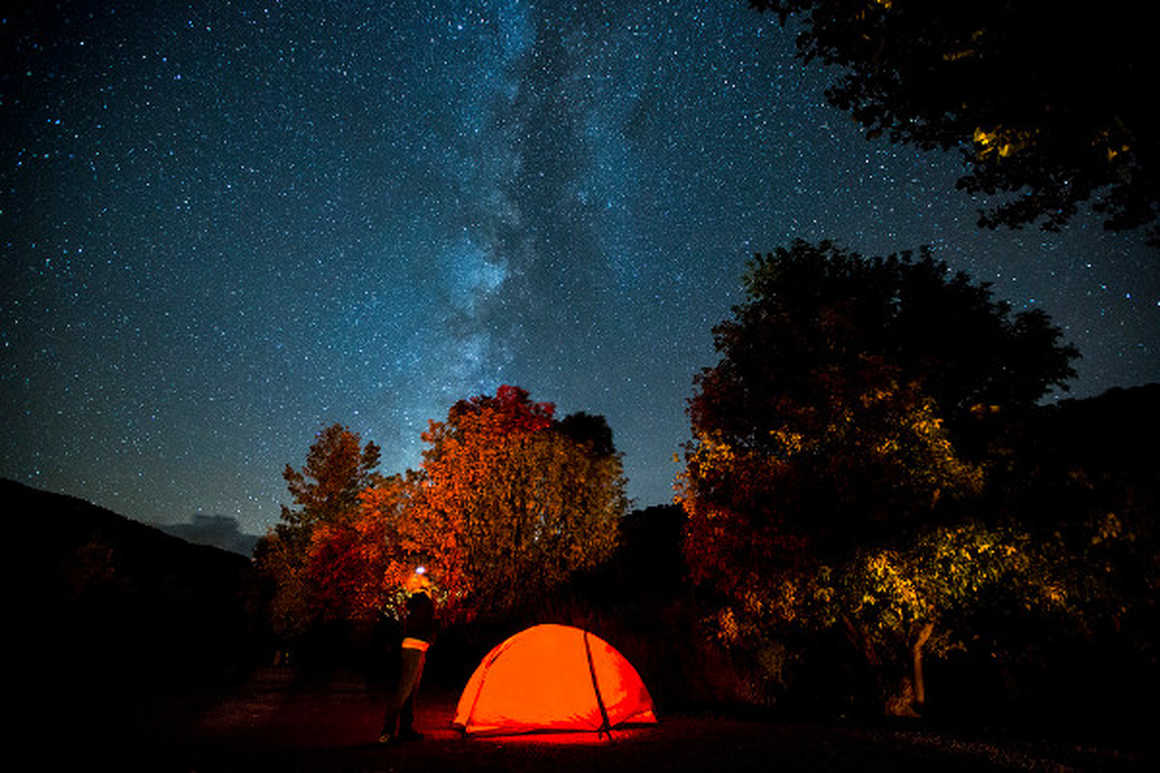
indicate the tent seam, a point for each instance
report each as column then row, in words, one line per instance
column 483, row 680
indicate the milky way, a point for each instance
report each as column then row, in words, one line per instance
column 226, row 225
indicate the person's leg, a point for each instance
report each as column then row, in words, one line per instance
column 407, row 717
column 407, row 714
column 411, row 667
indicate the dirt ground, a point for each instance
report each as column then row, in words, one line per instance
column 274, row 723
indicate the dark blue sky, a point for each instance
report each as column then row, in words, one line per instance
column 225, row 225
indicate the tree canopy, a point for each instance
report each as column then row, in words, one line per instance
column 819, row 320
column 843, row 388
column 327, row 488
column 509, row 502
column 839, row 444
column 1050, row 103
column 513, row 501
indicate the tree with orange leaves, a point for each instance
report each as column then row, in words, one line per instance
column 350, row 565
column 326, row 491
column 511, row 503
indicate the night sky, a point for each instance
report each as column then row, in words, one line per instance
column 226, row 225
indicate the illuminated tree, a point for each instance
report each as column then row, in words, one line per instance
column 936, row 591
column 837, row 417
column 880, row 462
column 1045, row 101
column 326, row 491
column 352, row 565
column 900, row 604
column 510, row 504
column 327, row 488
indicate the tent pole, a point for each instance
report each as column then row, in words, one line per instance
column 605, row 725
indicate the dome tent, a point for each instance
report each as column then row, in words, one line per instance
column 552, row 677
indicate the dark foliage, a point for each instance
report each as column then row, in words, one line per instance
column 1111, row 437
column 589, row 430
column 839, row 378
column 1087, row 470
column 649, row 555
column 816, row 310
column 1083, row 472
column 1051, row 102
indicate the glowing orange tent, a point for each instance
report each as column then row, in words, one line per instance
column 552, row 677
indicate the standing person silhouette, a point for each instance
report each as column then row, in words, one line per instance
column 418, row 633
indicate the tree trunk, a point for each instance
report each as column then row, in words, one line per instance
column 900, row 702
column 916, row 651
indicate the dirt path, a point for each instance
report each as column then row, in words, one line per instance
column 272, row 724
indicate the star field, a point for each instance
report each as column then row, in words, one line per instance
column 225, row 225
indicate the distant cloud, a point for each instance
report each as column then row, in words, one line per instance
column 219, row 531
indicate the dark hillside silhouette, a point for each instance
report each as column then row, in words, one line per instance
column 1082, row 459
column 1112, row 432
column 119, row 612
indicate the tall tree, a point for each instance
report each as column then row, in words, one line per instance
column 326, row 491
column 511, row 503
column 1049, row 102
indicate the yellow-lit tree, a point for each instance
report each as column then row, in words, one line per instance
column 836, row 421
column 933, row 592
column 927, row 595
